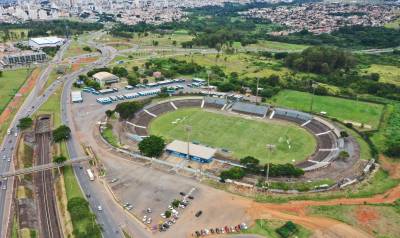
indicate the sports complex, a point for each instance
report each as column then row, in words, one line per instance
column 236, row 129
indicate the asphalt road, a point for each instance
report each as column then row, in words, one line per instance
column 30, row 105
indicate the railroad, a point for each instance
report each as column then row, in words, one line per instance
column 49, row 224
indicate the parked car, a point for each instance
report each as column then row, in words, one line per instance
column 198, row 213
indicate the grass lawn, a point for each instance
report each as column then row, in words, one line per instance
column 267, row 228
column 241, row 136
column 109, row 136
column 75, row 49
column 52, row 106
column 382, row 220
column 388, row 73
column 10, row 83
column 342, row 109
column 394, row 24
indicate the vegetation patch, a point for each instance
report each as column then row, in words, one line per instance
column 271, row 228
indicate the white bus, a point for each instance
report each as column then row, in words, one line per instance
column 90, row 174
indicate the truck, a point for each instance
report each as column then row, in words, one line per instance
column 90, row 174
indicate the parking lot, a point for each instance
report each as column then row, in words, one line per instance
column 145, row 187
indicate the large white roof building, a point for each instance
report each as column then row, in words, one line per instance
column 43, row 42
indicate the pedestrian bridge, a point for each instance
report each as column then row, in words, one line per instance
column 43, row 167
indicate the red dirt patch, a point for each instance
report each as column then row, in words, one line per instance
column 366, row 214
column 80, row 62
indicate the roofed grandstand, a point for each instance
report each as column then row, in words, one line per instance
column 249, row 108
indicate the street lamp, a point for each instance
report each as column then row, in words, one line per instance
column 270, row 148
column 208, row 79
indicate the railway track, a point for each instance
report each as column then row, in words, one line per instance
column 49, row 223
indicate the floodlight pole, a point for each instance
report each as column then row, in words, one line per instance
column 270, row 147
column 188, row 130
column 258, row 81
column 208, row 81
column 314, row 86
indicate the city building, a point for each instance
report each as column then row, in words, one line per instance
column 44, row 42
column 104, row 78
column 22, row 58
column 197, row 153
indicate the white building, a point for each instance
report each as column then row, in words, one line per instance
column 76, row 97
column 43, row 42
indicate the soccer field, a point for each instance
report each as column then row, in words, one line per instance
column 242, row 136
column 342, row 109
column 10, row 83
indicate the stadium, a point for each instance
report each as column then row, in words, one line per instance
column 235, row 129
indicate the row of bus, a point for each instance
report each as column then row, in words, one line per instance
column 111, row 99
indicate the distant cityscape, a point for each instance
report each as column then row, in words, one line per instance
column 324, row 18
column 125, row 11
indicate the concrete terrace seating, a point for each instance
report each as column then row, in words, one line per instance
column 188, row 103
column 214, row 102
column 250, row 109
column 161, row 108
column 294, row 115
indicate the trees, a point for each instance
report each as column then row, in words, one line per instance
column 133, row 80
column 251, row 163
column 176, row 203
column 152, row 146
column 25, row 123
column 120, row 71
column 110, row 113
column 233, row 173
column 392, row 135
column 59, row 159
column 127, row 110
column 320, row 60
column 283, row 170
column 62, row 133
column 167, row 214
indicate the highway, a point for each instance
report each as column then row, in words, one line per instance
column 30, row 105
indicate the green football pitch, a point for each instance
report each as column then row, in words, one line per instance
column 243, row 137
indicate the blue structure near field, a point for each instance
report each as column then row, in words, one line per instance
column 199, row 153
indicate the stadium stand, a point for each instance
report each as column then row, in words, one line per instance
column 297, row 117
column 215, row 102
column 161, row 108
column 250, row 109
column 188, row 103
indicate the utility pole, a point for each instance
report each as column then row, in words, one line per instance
column 270, row 147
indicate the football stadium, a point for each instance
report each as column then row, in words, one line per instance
column 235, row 129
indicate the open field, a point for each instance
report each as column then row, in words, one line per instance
column 388, row 73
column 15, row 34
column 163, row 40
column 241, row 136
column 244, row 64
column 380, row 220
column 394, row 24
column 276, row 46
column 342, row 109
column 10, row 83
column 266, row 228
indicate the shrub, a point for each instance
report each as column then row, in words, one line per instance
column 287, row 230
column 152, row 146
column 233, row 173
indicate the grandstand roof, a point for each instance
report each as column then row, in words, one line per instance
column 104, row 76
column 199, row 151
column 250, row 108
column 47, row 40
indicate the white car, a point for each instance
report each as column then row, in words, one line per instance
column 148, row 220
column 15, row 134
column 163, row 215
column 144, row 218
column 99, row 208
column 9, row 159
column 8, row 131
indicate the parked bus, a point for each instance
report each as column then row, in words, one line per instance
column 90, row 174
